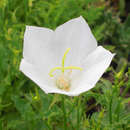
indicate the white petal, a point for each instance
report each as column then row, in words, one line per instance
column 36, row 46
column 93, row 68
column 38, row 76
column 74, row 34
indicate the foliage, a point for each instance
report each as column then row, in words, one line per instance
column 24, row 106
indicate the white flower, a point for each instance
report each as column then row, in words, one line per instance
column 67, row 60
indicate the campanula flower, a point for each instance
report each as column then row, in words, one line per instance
column 65, row 61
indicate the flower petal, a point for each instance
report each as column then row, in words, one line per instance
column 37, row 56
column 38, row 76
column 36, row 46
column 94, row 66
column 74, row 34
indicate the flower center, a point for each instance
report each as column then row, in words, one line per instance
column 64, row 82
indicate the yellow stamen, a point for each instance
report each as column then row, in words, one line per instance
column 54, row 69
column 63, row 63
column 64, row 58
column 73, row 67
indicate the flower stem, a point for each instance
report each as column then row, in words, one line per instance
column 64, row 112
column 78, row 112
column 110, row 111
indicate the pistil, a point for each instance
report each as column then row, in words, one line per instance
column 63, row 82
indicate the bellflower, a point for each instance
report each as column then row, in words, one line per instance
column 66, row 60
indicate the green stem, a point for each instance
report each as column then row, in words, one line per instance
column 64, row 112
column 110, row 111
column 78, row 113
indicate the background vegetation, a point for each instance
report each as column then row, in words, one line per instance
column 24, row 106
